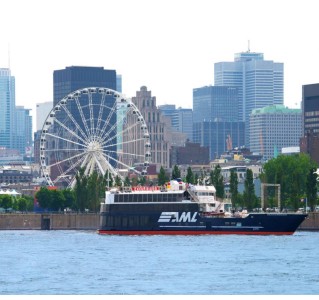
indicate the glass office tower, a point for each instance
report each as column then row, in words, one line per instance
column 7, row 109
column 260, row 82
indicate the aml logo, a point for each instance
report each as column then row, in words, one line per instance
column 176, row 217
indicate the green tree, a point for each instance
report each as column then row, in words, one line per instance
column 249, row 191
column 69, row 197
column 176, row 173
column 22, row 204
column 190, row 176
column 196, row 179
column 311, row 189
column 162, row 177
column 6, row 201
column 81, row 190
column 93, row 191
column 142, row 180
column 233, row 188
column 44, row 198
column 57, row 200
column 291, row 173
column 127, row 181
column 30, row 202
column 216, row 179
column 118, row 181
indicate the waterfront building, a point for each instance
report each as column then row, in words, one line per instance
column 273, row 128
column 309, row 143
column 260, row 82
column 215, row 103
column 219, row 136
column 7, row 109
column 158, row 127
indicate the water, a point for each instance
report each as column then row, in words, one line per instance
column 83, row 262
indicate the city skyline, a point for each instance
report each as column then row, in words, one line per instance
column 170, row 47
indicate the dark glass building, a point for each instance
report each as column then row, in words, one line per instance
column 215, row 103
column 309, row 143
column 73, row 78
column 215, row 135
column 310, row 108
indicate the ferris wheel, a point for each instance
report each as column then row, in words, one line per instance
column 96, row 129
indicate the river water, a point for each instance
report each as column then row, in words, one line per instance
column 85, row 263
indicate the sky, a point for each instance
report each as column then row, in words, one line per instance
column 169, row 46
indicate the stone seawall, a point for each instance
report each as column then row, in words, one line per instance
column 48, row 221
column 311, row 223
column 70, row 221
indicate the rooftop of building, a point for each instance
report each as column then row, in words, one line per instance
column 275, row 109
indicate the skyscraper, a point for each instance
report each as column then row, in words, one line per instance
column 260, row 82
column 309, row 143
column 73, row 78
column 219, row 136
column 23, row 139
column 273, row 128
column 310, row 108
column 7, row 109
column 215, row 103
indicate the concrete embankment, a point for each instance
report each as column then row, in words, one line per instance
column 72, row 221
column 311, row 223
column 48, row 221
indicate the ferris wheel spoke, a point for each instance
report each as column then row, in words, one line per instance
column 69, row 141
column 58, row 150
column 73, row 120
column 90, row 166
column 99, row 119
column 91, row 113
column 127, row 153
column 99, row 130
column 69, row 130
column 118, row 133
column 119, row 162
column 107, row 122
column 114, row 126
column 105, row 160
column 82, row 116
column 105, row 147
column 67, row 159
column 64, row 174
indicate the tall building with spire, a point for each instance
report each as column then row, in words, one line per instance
column 259, row 82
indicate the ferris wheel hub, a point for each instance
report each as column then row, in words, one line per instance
column 94, row 146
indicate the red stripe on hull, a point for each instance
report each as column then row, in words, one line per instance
column 187, row 232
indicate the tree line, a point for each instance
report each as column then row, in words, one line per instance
column 22, row 203
column 295, row 174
